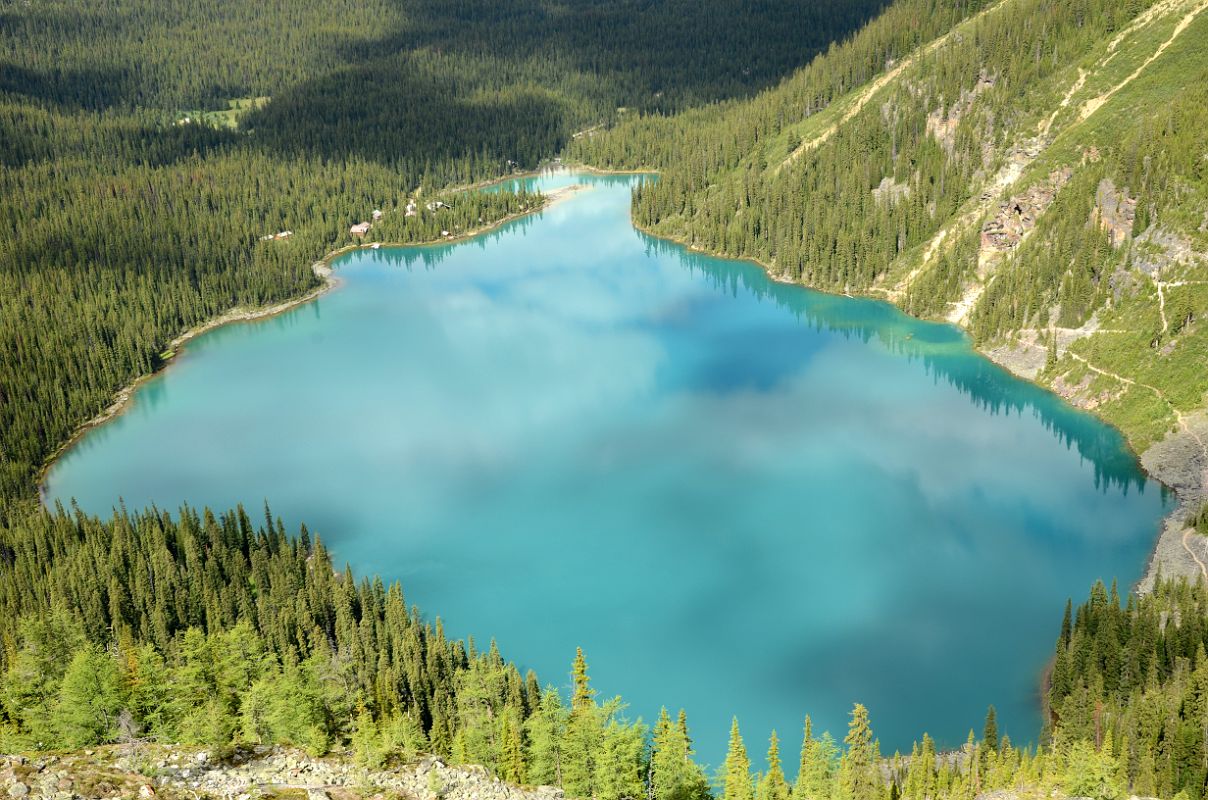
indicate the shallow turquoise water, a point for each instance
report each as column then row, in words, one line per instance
column 739, row 497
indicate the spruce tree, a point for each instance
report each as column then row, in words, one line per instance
column 511, row 760
column 582, row 696
column 673, row 773
column 584, row 733
column 816, row 772
column 859, row 777
column 665, row 758
column 990, row 731
column 736, row 769
column 619, row 758
column 772, row 785
column 546, row 731
column 89, row 700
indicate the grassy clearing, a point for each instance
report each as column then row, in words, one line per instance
column 227, row 118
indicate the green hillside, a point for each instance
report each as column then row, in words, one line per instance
column 1035, row 174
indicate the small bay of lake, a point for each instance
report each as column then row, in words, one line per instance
column 739, row 497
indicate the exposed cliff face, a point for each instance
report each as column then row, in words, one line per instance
column 943, row 122
column 1016, row 217
column 1115, row 211
column 168, row 773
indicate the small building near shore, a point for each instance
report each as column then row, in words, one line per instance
column 360, row 229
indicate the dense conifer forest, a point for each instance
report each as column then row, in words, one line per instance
column 211, row 629
column 142, row 184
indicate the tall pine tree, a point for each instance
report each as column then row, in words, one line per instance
column 736, row 770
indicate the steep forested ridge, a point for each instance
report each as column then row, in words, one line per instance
column 1137, row 677
column 633, row 53
column 1033, row 174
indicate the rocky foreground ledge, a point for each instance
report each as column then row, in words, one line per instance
column 169, row 773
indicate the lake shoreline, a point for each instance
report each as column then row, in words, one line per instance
column 892, row 328
column 322, row 270
column 1171, row 553
column 123, row 397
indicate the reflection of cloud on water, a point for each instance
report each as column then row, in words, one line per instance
column 686, row 468
column 941, row 349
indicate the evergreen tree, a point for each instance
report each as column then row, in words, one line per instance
column 990, row 731
column 736, row 769
column 620, row 758
column 673, row 773
column 366, row 741
column 546, row 730
column 90, row 699
column 1090, row 773
column 512, row 766
column 29, row 693
column 816, row 772
column 584, row 734
column 858, row 769
column 772, row 785
column 583, row 696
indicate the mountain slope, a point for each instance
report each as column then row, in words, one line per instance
column 1036, row 174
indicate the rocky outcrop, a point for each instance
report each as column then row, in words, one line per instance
column 1024, row 356
column 1158, row 249
column 943, row 122
column 1016, row 218
column 1114, row 211
column 891, row 192
column 166, row 773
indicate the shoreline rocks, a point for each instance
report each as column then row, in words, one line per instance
column 168, row 773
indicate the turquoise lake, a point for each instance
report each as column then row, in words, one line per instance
column 739, row 497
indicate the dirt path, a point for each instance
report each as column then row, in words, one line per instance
column 1161, row 305
column 1194, row 557
column 1065, row 101
column 1161, row 287
column 1011, row 172
column 586, row 131
column 1093, row 105
column 1178, row 415
column 1006, row 176
column 1141, row 20
column 1183, row 424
